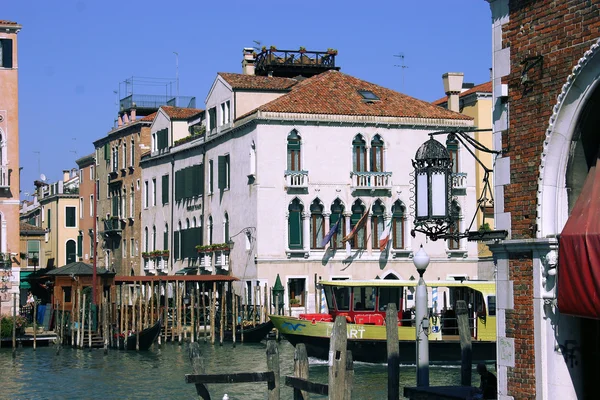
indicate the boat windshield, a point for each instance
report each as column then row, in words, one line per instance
column 389, row 295
column 363, row 298
column 342, row 298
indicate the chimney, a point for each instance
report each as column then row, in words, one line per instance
column 125, row 119
column 66, row 174
column 120, row 122
column 452, row 87
column 133, row 115
column 248, row 61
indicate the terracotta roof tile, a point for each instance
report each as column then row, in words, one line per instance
column 336, row 93
column 181, row 112
column 5, row 22
column 255, row 82
column 149, row 117
column 25, row 227
column 483, row 88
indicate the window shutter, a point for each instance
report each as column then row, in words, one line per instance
column 189, row 182
column 166, row 239
column 211, row 177
column 106, row 152
column 178, row 182
column 295, row 227
column 201, row 178
column 222, row 172
column 115, row 205
column 79, row 245
column 176, row 245
column 7, row 49
column 165, row 189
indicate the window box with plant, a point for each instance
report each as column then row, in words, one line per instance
column 204, row 249
column 145, row 254
column 164, row 253
column 331, row 51
column 294, row 302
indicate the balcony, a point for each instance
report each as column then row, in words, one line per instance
column 112, row 226
column 291, row 63
column 296, row 180
column 206, row 261
column 153, row 102
column 222, row 260
column 459, row 183
column 371, row 181
column 4, row 177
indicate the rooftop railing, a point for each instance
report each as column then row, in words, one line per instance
column 155, row 101
column 293, row 61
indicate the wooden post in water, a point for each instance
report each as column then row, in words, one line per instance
column 73, row 318
column 35, row 325
column 105, row 323
column 273, row 365
column 126, row 300
column 82, row 337
column 193, row 320
column 62, row 319
column 139, row 319
column 465, row 342
column 14, row 327
column 300, row 369
column 90, row 327
column 255, row 305
column 234, row 314
column 223, row 314
column 212, row 313
column 393, row 351
column 152, row 298
column 349, row 376
column 204, row 310
column 337, row 359
column 265, row 304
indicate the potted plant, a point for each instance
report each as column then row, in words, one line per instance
column 302, row 49
column 331, row 51
column 165, row 253
column 145, row 254
column 273, row 48
column 294, row 302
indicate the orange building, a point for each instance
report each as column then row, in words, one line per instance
column 9, row 165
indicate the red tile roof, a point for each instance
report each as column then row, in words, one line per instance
column 255, row 82
column 483, row 88
column 28, row 228
column 149, row 117
column 336, row 93
column 5, row 22
column 181, row 112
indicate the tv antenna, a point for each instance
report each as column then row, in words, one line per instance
column 42, row 177
column 74, row 151
column 401, row 65
column 258, row 43
column 38, row 157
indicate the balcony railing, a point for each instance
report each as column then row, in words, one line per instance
column 296, row 179
column 206, row 261
column 459, row 183
column 155, row 101
column 112, row 225
column 371, row 180
column 4, row 176
column 294, row 62
column 222, row 260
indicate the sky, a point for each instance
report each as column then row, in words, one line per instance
column 73, row 55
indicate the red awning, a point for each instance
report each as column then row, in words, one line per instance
column 579, row 253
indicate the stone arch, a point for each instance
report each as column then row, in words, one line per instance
column 561, row 137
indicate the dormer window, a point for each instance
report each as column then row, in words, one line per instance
column 368, row 96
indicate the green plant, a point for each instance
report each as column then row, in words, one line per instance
column 332, row 51
column 485, row 227
column 6, row 324
column 294, row 301
column 145, row 254
column 273, row 48
column 302, row 49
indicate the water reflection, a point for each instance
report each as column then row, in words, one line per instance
column 159, row 373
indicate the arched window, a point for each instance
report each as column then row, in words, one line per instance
column 377, row 154
column 71, row 251
column 317, row 224
column 295, row 224
column 377, row 223
column 146, row 239
column 398, row 211
column 293, row 151
column 359, row 240
column 337, row 217
column 226, row 228
column 193, row 222
column 359, row 154
column 210, row 230
column 154, row 237
column 131, row 201
column 166, row 237
column 187, row 223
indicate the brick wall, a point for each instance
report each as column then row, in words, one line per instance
column 561, row 31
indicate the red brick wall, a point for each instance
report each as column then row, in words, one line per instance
column 561, row 31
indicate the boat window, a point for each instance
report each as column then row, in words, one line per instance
column 389, row 295
column 363, row 299
column 342, row 298
column 329, row 299
column 491, row 300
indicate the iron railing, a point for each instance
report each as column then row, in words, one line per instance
column 371, row 180
column 273, row 59
column 155, row 101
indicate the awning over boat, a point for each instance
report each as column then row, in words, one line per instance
column 579, row 253
column 172, row 278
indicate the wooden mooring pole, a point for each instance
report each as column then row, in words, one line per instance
column 393, row 351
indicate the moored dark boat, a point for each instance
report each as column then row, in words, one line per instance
column 252, row 334
column 147, row 337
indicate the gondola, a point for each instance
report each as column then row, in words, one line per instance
column 252, row 334
column 147, row 337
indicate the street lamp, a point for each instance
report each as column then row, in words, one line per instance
column 278, row 296
column 421, row 261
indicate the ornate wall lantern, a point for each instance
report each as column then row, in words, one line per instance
column 433, row 189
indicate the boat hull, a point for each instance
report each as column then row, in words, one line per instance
column 251, row 334
column 368, row 344
column 147, row 337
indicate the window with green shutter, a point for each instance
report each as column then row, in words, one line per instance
column 79, row 245
column 106, row 152
column 223, row 166
column 165, row 189
column 178, row 185
column 49, row 219
column 70, row 217
column 295, row 225
column 210, row 176
column 166, row 238
column 176, row 245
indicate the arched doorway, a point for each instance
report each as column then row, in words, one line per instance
column 71, row 251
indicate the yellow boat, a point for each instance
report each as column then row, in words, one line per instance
column 364, row 303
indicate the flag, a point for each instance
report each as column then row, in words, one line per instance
column 323, row 302
column 359, row 225
column 384, row 238
column 331, row 232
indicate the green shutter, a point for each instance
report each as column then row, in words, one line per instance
column 79, row 245
column 49, row 219
column 176, row 245
column 295, row 228
column 165, row 189
column 189, row 183
column 178, row 185
column 106, row 152
column 211, row 178
column 115, row 205
column 201, row 178
column 222, row 172
column 166, row 239
column 70, row 217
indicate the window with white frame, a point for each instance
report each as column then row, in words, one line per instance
column 317, row 224
column 131, row 201
column 359, row 154
column 131, row 152
column 153, row 191
column 131, row 248
column 377, row 222
column 146, row 194
column 92, row 205
column 398, row 218
column 337, row 217
column 297, row 292
column 295, row 209
column 81, row 207
column 377, row 154
column 293, row 151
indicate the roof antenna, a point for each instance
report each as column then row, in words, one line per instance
column 401, row 57
column 257, row 47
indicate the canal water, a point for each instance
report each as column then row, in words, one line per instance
column 159, row 373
